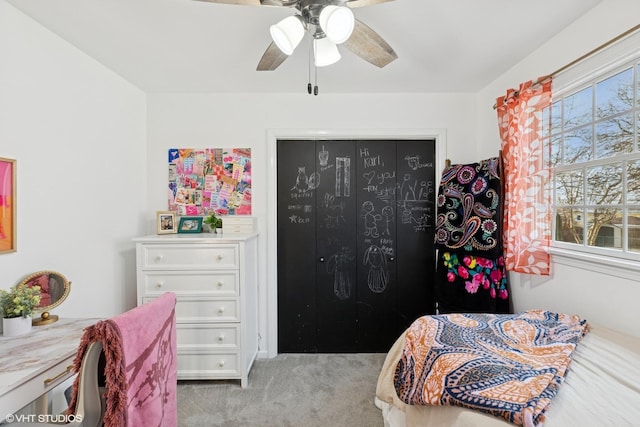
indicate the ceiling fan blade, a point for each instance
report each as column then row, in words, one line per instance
column 361, row 3
column 368, row 45
column 243, row 2
column 271, row 58
column 254, row 2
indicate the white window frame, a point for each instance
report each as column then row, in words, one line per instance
column 608, row 62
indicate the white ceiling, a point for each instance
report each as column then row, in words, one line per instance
column 194, row 46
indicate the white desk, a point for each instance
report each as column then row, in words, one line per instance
column 33, row 364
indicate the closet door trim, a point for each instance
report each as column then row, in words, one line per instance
column 268, row 292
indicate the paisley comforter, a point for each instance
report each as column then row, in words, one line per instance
column 508, row 365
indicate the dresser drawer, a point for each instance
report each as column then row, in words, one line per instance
column 191, row 283
column 208, row 365
column 206, row 309
column 200, row 336
column 200, row 256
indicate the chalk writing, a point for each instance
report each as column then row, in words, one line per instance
column 296, row 219
column 369, row 161
column 414, row 162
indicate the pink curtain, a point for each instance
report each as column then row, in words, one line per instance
column 527, row 204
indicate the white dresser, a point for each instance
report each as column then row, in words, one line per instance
column 215, row 280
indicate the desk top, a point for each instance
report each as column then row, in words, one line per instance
column 24, row 357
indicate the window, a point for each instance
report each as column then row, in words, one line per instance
column 593, row 138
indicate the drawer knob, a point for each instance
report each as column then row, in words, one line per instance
column 221, row 338
column 221, row 363
column 220, row 257
column 159, row 285
column 159, row 258
column 220, row 310
column 220, row 283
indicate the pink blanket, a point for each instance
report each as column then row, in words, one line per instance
column 141, row 370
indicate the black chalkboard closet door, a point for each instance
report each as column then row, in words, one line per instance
column 356, row 258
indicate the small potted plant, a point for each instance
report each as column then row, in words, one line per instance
column 214, row 222
column 16, row 306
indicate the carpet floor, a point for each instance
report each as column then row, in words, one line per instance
column 290, row 390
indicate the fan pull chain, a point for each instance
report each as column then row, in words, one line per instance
column 309, row 87
column 312, row 88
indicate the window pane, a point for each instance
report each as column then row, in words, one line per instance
column 604, row 228
column 634, row 230
column 545, row 122
column 569, row 225
column 548, row 149
column 614, row 136
column 638, row 95
column 556, row 117
column 638, row 132
column 578, row 108
column 633, row 183
column 604, row 184
column 569, row 188
column 556, row 150
column 615, row 94
column 578, row 145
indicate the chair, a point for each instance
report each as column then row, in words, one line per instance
column 138, row 349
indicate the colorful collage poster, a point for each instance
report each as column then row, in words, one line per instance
column 208, row 180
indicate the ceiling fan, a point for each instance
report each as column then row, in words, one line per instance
column 330, row 22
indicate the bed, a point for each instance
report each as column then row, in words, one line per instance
column 601, row 387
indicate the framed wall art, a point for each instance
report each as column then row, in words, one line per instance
column 190, row 224
column 7, row 205
column 202, row 181
column 166, row 222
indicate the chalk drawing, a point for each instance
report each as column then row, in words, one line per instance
column 388, row 220
column 304, row 183
column 323, row 157
column 343, row 176
column 370, row 219
column 338, row 264
column 334, row 211
column 378, row 275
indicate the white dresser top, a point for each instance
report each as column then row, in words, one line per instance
column 195, row 238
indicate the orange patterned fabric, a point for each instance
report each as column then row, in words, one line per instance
column 507, row 365
column 527, row 211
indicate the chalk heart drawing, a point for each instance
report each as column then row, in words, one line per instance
column 369, row 176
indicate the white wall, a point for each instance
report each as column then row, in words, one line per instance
column 78, row 133
column 588, row 289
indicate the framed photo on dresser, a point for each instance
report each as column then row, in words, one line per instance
column 166, row 221
column 190, row 224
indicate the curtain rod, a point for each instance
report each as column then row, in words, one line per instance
column 583, row 57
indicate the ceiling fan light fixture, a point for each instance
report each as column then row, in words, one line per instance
column 288, row 33
column 337, row 22
column 325, row 52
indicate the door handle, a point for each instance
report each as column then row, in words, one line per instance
column 321, row 259
column 391, row 259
